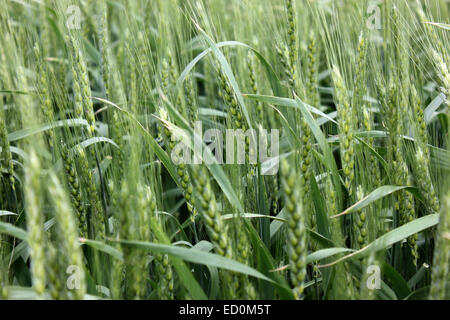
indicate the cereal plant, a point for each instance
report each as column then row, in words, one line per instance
column 224, row 149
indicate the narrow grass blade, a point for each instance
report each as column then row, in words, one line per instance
column 7, row 213
column 8, row 228
column 103, row 247
column 160, row 153
column 392, row 237
column 24, row 133
column 325, row 253
column 198, row 257
column 375, row 195
column 328, row 154
column 286, row 102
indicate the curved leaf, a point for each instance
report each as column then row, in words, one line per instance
column 375, row 195
column 23, row 133
column 213, row 167
column 13, row 231
column 392, row 237
column 160, row 153
column 330, row 162
column 88, row 142
column 197, row 256
column 272, row 76
column 325, row 253
column 286, row 102
column 7, row 213
column 250, row 215
column 103, row 247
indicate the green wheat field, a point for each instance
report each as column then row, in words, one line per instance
column 94, row 94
